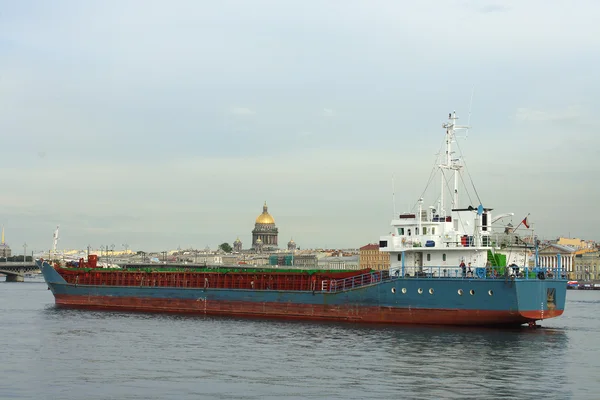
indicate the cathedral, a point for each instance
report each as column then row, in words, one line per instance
column 264, row 234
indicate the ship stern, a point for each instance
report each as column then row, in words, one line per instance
column 541, row 299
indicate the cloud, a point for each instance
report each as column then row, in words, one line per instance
column 492, row 8
column 305, row 134
column 242, row 111
column 569, row 113
column 153, row 113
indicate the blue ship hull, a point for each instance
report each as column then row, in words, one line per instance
column 395, row 300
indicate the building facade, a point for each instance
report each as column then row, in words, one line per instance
column 307, row 261
column 265, row 233
column 576, row 243
column 237, row 246
column 291, row 245
column 371, row 257
column 548, row 257
column 339, row 262
column 587, row 266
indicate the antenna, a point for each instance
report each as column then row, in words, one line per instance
column 55, row 239
column 470, row 106
column 393, row 196
column 450, row 163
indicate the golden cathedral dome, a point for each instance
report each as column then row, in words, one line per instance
column 265, row 217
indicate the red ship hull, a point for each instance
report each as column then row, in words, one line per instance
column 346, row 313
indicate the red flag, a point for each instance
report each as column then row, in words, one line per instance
column 525, row 222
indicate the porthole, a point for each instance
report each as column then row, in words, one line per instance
column 431, row 291
column 420, row 291
column 460, row 292
column 472, row 292
column 393, row 290
column 491, row 292
column 404, row 290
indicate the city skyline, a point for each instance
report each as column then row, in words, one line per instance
column 170, row 124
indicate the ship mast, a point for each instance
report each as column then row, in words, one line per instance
column 450, row 163
column 55, row 243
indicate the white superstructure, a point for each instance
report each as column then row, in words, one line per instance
column 435, row 240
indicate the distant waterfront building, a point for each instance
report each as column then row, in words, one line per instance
column 587, row 266
column 258, row 246
column 307, row 261
column 291, row 245
column 578, row 244
column 237, row 245
column 5, row 250
column 339, row 262
column 548, row 258
column 371, row 257
column 265, row 231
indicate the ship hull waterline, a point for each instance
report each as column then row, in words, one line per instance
column 359, row 314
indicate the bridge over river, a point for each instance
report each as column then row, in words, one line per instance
column 15, row 271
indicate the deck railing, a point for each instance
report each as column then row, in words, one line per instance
column 495, row 273
column 356, row 281
column 509, row 272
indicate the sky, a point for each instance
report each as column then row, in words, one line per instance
column 160, row 124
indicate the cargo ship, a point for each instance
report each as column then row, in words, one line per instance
column 446, row 268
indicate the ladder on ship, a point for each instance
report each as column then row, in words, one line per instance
column 493, row 259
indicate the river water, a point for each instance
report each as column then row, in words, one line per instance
column 50, row 353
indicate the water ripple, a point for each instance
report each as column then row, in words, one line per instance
column 73, row 354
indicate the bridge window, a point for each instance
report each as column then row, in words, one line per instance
column 400, row 231
column 433, row 231
column 444, row 257
column 428, row 256
column 409, row 232
column 416, row 231
column 424, row 230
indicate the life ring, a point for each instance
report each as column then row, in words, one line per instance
column 480, row 272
